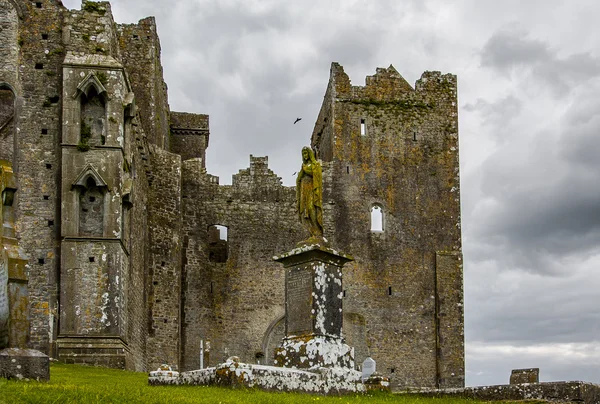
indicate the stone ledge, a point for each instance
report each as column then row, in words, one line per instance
column 557, row 392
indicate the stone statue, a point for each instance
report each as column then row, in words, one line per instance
column 309, row 193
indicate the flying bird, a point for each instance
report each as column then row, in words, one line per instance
column 297, row 119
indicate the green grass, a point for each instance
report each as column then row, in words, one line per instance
column 81, row 384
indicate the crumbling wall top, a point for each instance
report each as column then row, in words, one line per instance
column 386, row 84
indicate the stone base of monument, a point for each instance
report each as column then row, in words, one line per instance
column 232, row 373
column 24, row 364
column 313, row 352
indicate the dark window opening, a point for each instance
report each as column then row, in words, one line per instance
column 217, row 244
column 162, row 264
column 414, row 136
column 38, row 4
column 44, row 131
column 44, row 36
column 389, row 290
column 39, row 66
column 155, row 283
column 91, row 210
column 376, row 219
column 135, row 36
column 50, row 222
column 344, row 293
column 41, row 261
column 92, row 259
column 347, row 169
column 211, row 286
column 48, row 166
column 46, row 197
column 54, row 99
column 392, row 370
column 363, row 127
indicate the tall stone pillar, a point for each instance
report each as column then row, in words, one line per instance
column 313, row 307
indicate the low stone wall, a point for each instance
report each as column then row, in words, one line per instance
column 559, row 392
column 329, row 381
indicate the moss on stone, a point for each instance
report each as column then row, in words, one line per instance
column 93, row 7
column 86, row 134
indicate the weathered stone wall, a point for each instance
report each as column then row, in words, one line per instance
column 9, row 62
column 136, row 242
column 233, row 304
column 164, row 264
column 7, row 124
column 93, row 284
column 91, row 30
column 406, row 162
column 37, row 161
column 140, row 49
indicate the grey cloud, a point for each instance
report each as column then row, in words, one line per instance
column 511, row 48
column 497, row 114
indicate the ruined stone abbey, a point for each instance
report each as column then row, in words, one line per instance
column 114, row 247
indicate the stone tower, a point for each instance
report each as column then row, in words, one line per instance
column 391, row 199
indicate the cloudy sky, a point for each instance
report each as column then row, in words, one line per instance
column 529, row 96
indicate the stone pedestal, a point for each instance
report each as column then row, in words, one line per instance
column 313, row 306
column 16, row 363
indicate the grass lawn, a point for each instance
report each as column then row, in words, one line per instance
column 82, row 384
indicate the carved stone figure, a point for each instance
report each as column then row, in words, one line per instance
column 309, row 193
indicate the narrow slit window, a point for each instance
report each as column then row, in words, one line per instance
column 363, row 127
column 414, row 135
column 376, row 219
column 389, row 290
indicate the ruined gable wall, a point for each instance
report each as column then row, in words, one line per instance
column 392, row 282
column 232, row 304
